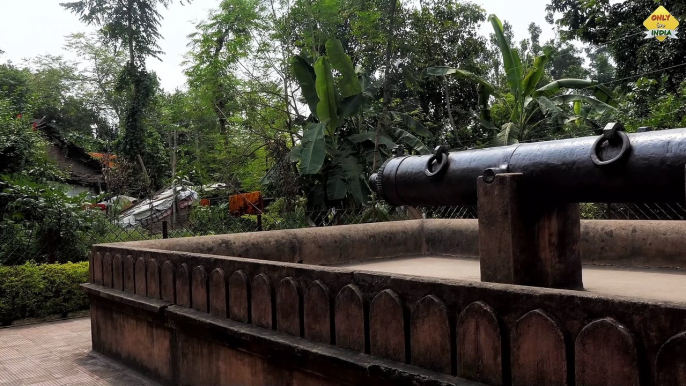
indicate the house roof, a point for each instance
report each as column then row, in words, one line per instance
column 83, row 168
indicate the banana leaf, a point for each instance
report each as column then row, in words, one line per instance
column 580, row 118
column 597, row 105
column 313, row 150
column 599, row 91
column 413, row 124
column 410, row 140
column 511, row 61
column 351, row 105
column 327, row 107
column 296, row 153
column 443, row 71
column 349, row 84
column 345, row 178
column 304, row 74
column 551, row 110
column 534, row 75
column 488, row 125
column 518, row 107
column 508, row 135
column 371, row 136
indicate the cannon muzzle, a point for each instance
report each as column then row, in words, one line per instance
column 615, row 167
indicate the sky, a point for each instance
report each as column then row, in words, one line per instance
column 37, row 27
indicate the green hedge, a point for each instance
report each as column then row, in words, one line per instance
column 37, row 291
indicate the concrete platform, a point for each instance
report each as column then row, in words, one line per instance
column 59, row 353
column 643, row 283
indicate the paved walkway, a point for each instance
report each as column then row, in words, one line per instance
column 59, row 353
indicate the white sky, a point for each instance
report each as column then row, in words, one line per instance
column 37, row 27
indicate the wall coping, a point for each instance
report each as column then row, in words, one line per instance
column 632, row 243
column 513, row 289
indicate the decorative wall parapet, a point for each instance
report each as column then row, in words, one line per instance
column 490, row 333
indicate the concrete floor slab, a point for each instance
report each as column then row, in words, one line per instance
column 643, row 283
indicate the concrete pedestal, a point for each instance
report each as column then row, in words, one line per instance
column 524, row 242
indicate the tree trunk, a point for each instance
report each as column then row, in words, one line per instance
column 386, row 81
column 220, row 101
column 52, row 235
column 219, row 107
column 450, row 110
column 132, row 57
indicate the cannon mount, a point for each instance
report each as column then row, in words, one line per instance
column 528, row 194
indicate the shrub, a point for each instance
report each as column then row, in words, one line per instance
column 593, row 211
column 37, row 291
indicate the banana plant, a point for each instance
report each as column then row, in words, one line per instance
column 336, row 144
column 529, row 102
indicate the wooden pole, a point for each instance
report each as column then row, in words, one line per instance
column 173, row 162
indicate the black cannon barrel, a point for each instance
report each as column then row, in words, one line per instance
column 563, row 171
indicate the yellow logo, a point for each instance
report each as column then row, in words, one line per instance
column 661, row 25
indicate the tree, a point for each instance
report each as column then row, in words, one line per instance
column 99, row 68
column 60, row 97
column 525, row 103
column 564, row 59
column 429, row 34
column 15, row 87
column 619, row 28
column 132, row 24
column 339, row 146
column 51, row 89
column 220, row 43
column 602, row 69
column 22, row 150
column 237, row 73
column 439, row 33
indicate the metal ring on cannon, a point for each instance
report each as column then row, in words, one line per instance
column 442, row 162
column 555, row 172
column 610, row 132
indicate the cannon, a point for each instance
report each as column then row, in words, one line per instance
column 528, row 194
column 615, row 167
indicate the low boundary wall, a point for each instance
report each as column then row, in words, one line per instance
column 197, row 319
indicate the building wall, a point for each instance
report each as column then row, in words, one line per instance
column 74, row 190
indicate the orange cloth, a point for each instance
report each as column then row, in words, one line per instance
column 245, row 203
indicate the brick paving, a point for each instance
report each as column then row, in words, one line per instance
column 59, row 353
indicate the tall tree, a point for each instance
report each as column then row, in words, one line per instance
column 601, row 65
column 52, row 89
column 99, row 68
column 442, row 32
column 60, row 96
column 619, row 28
column 387, row 68
column 566, row 60
column 216, row 49
column 528, row 107
column 15, row 87
column 133, row 24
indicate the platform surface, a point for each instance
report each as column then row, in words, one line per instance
column 644, row 283
column 59, row 353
